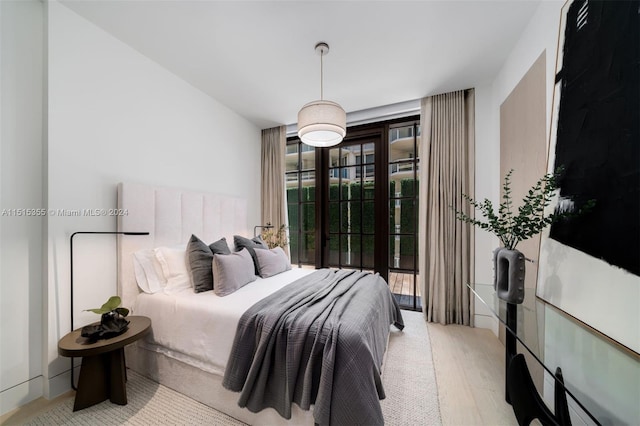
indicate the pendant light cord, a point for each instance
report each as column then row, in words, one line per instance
column 321, row 76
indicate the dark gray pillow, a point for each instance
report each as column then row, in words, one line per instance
column 272, row 262
column 250, row 245
column 200, row 256
column 232, row 271
column 220, row 247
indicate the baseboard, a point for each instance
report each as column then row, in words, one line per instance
column 19, row 395
column 489, row 322
column 57, row 385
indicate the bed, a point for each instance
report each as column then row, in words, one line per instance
column 194, row 348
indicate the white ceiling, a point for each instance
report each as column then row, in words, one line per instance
column 258, row 58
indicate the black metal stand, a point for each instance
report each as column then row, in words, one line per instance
column 520, row 391
column 561, row 407
column 510, row 343
column 267, row 226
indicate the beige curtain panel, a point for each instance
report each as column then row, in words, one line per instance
column 446, row 245
column 273, row 209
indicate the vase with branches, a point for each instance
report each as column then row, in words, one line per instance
column 275, row 237
column 513, row 225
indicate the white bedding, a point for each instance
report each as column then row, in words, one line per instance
column 199, row 329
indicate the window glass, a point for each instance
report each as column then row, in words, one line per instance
column 300, row 181
column 401, row 143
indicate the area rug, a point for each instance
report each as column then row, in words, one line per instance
column 408, row 377
column 149, row 403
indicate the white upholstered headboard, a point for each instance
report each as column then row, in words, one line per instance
column 170, row 216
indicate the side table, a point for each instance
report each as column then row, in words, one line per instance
column 522, row 324
column 103, row 370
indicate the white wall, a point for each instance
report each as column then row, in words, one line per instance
column 115, row 115
column 21, row 187
column 487, row 175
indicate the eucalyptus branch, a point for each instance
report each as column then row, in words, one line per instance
column 275, row 237
column 511, row 228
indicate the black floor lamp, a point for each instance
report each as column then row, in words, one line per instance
column 73, row 386
column 267, row 226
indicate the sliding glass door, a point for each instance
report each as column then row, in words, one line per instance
column 355, row 205
column 300, row 165
column 403, row 182
column 350, row 211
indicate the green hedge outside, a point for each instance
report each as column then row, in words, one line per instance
column 362, row 220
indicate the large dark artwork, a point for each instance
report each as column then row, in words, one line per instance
column 598, row 134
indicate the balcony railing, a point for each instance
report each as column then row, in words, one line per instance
column 402, row 285
column 401, row 133
column 402, row 167
column 304, row 176
column 293, row 149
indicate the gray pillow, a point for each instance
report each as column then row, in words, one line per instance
column 250, row 245
column 199, row 257
column 220, row 247
column 272, row 262
column 232, row 271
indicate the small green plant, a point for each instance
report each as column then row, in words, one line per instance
column 112, row 321
column 275, row 238
column 111, row 306
column 511, row 228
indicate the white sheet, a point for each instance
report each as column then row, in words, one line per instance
column 198, row 329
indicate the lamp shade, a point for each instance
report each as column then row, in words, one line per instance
column 322, row 123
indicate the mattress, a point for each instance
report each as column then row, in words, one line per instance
column 198, row 328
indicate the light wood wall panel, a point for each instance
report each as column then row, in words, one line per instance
column 523, row 148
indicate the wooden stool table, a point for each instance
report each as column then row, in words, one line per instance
column 103, row 370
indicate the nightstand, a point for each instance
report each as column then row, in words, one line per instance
column 103, row 370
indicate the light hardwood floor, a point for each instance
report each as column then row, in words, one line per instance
column 469, row 364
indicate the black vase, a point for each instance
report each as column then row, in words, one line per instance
column 111, row 324
column 509, row 270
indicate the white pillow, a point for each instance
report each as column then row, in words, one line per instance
column 148, row 271
column 173, row 261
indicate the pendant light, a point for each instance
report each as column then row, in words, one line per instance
column 322, row 123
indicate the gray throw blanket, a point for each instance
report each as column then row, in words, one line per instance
column 319, row 340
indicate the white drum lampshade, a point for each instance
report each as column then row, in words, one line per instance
column 322, row 123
